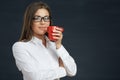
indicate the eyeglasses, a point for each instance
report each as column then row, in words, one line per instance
column 39, row 18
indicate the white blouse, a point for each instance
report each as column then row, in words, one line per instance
column 37, row 62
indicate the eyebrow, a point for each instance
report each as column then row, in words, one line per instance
column 41, row 16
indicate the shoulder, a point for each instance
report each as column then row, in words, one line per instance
column 19, row 45
column 19, row 48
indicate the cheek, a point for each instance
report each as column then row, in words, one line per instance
column 34, row 28
column 48, row 24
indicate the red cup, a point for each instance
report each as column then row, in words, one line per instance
column 50, row 31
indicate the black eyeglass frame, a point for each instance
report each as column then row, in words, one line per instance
column 39, row 18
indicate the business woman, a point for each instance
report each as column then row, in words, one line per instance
column 35, row 55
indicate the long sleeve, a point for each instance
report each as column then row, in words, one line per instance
column 30, row 68
column 68, row 61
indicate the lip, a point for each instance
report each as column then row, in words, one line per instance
column 42, row 27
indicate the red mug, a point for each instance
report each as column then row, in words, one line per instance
column 50, row 30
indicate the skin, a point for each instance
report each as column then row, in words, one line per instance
column 40, row 28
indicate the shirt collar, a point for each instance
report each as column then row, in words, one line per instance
column 39, row 41
column 36, row 40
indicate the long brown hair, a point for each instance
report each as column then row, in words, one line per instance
column 27, row 32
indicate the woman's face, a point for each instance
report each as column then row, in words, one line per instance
column 40, row 23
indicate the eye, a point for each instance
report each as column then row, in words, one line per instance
column 36, row 17
column 39, row 18
column 46, row 18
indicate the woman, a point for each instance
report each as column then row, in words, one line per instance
column 36, row 56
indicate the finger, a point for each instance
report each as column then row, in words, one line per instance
column 60, row 29
column 57, row 30
column 57, row 35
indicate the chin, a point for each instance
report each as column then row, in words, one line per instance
column 43, row 33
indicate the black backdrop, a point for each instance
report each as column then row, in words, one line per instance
column 92, row 36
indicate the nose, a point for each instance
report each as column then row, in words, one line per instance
column 42, row 21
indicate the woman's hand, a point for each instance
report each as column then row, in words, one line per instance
column 57, row 34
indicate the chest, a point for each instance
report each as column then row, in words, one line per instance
column 42, row 56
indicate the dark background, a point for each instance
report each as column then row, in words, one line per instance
column 92, row 36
